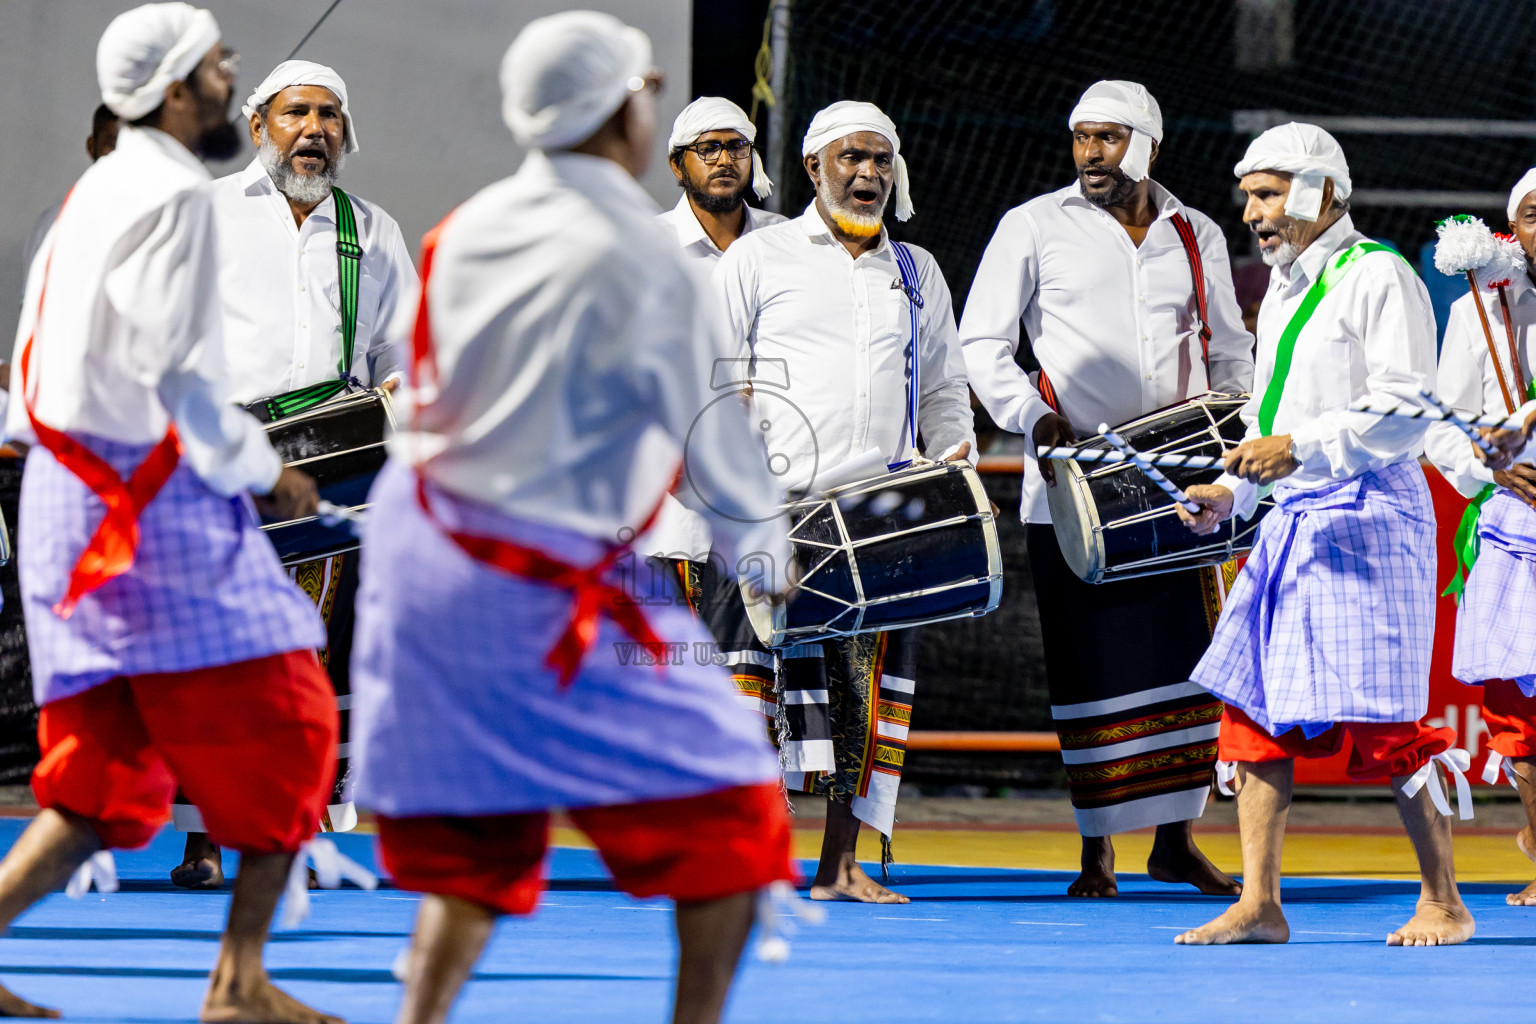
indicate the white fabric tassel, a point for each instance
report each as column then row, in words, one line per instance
column 1491, row 768
column 780, row 911
column 1457, row 762
column 761, row 184
column 331, row 867
column 99, row 868
column 1226, row 773
column 904, row 209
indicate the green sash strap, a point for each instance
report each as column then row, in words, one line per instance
column 349, row 269
column 1331, row 276
column 1467, row 543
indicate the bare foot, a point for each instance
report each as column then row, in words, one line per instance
column 852, row 883
column 1435, row 924
column 1241, row 922
column 1098, row 877
column 1193, row 867
column 259, row 1003
column 1525, row 897
column 202, row 864
column 12, row 1005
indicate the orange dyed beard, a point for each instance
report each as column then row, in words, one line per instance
column 854, row 227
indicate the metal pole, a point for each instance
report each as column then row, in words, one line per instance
column 778, row 114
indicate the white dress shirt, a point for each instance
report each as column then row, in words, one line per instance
column 681, row 532
column 574, row 360
column 1468, row 385
column 1372, row 336
column 827, row 334
column 129, row 336
column 282, row 298
column 1114, row 325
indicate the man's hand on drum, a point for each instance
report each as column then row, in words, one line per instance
column 389, row 386
column 1051, row 430
column 294, row 496
column 1215, row 508
column 1519, row 478
column 1507, row 446
column 1262, row 460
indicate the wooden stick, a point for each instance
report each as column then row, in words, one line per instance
column 1509, row 332
column 1166, row 461
column 1493, row 350
column 1153, row 473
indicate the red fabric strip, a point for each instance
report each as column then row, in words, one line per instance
column 1186, row 232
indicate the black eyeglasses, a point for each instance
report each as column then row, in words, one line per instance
column 707, row 151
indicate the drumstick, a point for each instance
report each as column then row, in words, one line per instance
column 1404, row 410
column 1153, row 473
column 1165, row 461
column 332, row 514
column 1452, row 418
column 1493, row 350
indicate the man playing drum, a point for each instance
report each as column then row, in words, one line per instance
column 826, row 307
column 1328, row 630
column 295, row 317
column 1495, row 637
column 1126, row 295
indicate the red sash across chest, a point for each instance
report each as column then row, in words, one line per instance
column 592, row 596
column 115, row 543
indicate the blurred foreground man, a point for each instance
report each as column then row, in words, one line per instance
column 559, row 357
column 161, row 625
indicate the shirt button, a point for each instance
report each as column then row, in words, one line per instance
column 1141, row 298
column 1149, row 376
column 1143, row 337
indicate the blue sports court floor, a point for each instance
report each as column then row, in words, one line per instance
column 975, row 945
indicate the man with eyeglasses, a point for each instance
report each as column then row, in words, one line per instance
column 160, row 623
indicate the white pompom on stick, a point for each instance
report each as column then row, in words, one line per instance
column 1466, row 244
column 1508, row 263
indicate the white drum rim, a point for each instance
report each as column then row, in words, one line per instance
column 1072, row 506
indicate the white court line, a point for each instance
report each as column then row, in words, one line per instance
column 1055, row 924
column 899, row 917
column 1361, row 934
column 1170, row 928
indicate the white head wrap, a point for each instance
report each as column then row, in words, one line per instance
column 845, row 117
column 1524, row 187
column 1310, row 155
column 565, row 74
column 303, row 72
column 146, row 49
column 718, row 114
column 1130, row 104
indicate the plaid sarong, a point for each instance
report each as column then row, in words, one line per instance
column 1496, row 623
column 1332, row 619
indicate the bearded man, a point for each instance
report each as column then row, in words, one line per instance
column 281, row 235
column 822, row 307
column 1126, row 295
column 160, row 623
column 1328, row 630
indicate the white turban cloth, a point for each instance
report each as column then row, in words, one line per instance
column 1310, row 155
column 1524, row 187
column 1129, row 104
column 846, row 117
column 718, row 114
column 146, row 49
column 303, row 72
column 565, row 74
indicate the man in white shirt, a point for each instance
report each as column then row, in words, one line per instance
column 1126, row 296
column 286, row 328
column 1328, row 630
column 1495, row 636
column 160, row 623
column 560, row 355
column 826, row 313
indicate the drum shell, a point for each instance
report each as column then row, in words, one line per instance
column 914, row 547
column 1112, row 522
column 342, row 445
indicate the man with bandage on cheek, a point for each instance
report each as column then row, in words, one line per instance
column 1126, row 296
column 1328, row 629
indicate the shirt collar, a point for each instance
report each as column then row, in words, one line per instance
column 256, row 182
column 1167, row 204
column 691, row 231
column 1324, row 247
column 594, row 176
column 817, row 230
column 155, row 140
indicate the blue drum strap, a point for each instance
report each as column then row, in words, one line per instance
column 914, row 292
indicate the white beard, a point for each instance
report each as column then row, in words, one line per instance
column 853, row 221
column 301, row 188
column 1281, row 257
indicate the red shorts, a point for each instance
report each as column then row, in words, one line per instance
column 252, row 744
column 1380, row 750
column 693, row 849
column 1511, row 718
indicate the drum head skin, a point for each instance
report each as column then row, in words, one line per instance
column 1076, row 521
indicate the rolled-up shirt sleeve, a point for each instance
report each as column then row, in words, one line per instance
column 989, row 329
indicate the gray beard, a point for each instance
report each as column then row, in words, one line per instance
column 1281, row 257
column 301, row 188
column 868, row 220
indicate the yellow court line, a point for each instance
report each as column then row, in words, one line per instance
column 1480, row 856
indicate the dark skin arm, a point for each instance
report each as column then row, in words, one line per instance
column 294, row 496
column 1051, row 430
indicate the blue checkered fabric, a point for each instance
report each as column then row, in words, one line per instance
column 1333, row 617
column 205, row 589
column 1496, row 623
